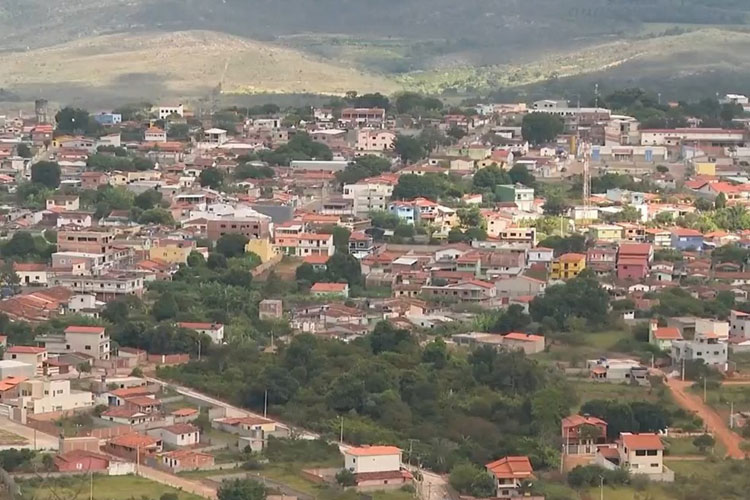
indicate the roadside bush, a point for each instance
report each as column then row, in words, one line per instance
column 590, row 475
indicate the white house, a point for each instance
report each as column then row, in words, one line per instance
column 177, row 435
column 167, row 111
column 364, row 459
column 213, row 330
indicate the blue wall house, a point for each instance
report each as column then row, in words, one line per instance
column 407, row 212
column 687, row 239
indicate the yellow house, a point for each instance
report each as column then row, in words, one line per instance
column 605, row 232
column 567, row 266
column 172, row 251
column 705, row 168
column 262, row 247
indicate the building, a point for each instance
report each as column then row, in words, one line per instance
column 167, row 111
column 582, row 433
column 34, row 356
column 526, row 342
column 184, row 460
column 65, row 203
column 371, row 194
column 363, row 117
column 108, row 119
column 106, row 287
column 618, row 371
column 91, row 242
column 520, row 286
column 177, row 435
column 250, row 227
column 375, row 140
column 171, row 251
column 125, row 415
column 662, row 337
column 45, row 396
column 519, row 194
column 687, row 239
column 270, row 309
column 465, row 291
column 634, row 261
column 376, row 467
column 134, row 446
column 605, row 232
column 406, row 211
column 712, row 351
column 739, row 325
column 567, row 266
column 639, row 454
column 322, row 289
column 510, row 473
column 155, row 134
column 213, row 330
column 300, row 244
column 91, row 461
column 90, row 340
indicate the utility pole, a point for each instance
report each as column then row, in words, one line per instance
column 341, row 432
column 265, row 403
column 683, row 369
column 704, row 389
column 199, row 348
column 411, row 446
column 91, row 484
column 601, row 487
column 731, row 414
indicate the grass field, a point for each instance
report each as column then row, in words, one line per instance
column 588, row 390
column 575, row 348
column 719, row 398
column 105, row 488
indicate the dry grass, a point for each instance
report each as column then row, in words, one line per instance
column 182, row 63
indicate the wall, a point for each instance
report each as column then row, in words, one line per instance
column 168, row 359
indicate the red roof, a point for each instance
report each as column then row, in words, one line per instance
column 576, row 420
column 511, row 468
column 635, row 249
column 572, row 257
column 641, row 441
column 25, row 349
column 316, row 260
column 681, row 231
column 134, row 440
column 98, row 330
column 524, row 337
column 667, row 333
column 365, row 451
column 328, row 287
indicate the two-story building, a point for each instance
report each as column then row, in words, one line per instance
column 214, row 330
column 687, row 239
column 90, row 340
column 567, row 266
column 519, row 194
column 582, row 433
column 376, row 467
column 510, row 473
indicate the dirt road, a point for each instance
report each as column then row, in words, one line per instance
column 37, row 440
column 712, row 420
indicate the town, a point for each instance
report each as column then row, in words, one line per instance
column 386, row 297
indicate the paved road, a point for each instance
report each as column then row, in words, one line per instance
column 712, row 420
column 43, row 441
column 190, row 485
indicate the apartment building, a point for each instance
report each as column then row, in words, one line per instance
column 106, row 287
column 304, row 244
column 45, row 396
column 371, row 194
column 86, row 241
column 172, row 251
column 90, row 340
column 375, row 140
column 250, row 227
column 34, row 356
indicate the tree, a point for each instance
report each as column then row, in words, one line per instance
column 470, row 217
column 662, row 169
column 540, row 128
column 341, row 238
column 345, row 478
column 74, row 121
column 46, row 173
column 157, row 216
column 703, row 442
column 20, row 245
column 23, row 150
column 363, row 167
column 242, row 489
column 409, row 149
column 555, row 205
column 411, row 186
column 701, row 204
column 720, row 201
column 148, row 199
column 211, row 177
column 519, row 174
column 580, row 297
column 165, row 307
column 344, row 267
column 489, row 177
column 195, row 259
column 231, row 245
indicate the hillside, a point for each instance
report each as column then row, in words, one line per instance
column 187, row 63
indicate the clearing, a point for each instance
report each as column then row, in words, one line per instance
column 105, row 488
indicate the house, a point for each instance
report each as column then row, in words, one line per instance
column 91, row 461
column 662, row 337
column 252, row 431
column 177, row 435
column 371, row 194
column 526, row 342
column 660, row 238
column 712, row 351
column 567, row 266
column 172, row 251
column 376, row 467
column 321, row 289
column 125, row 415
column 213, row 330
column 184, row 460
column 686, row 239
column 155, row 134
column 605, row 232
column 408, row 212
column 31, row 273
column 519, row 194
column 520, row 286
column 634, row 261
column 143, row 404
column 464, row 291
column 133, row 446
column 361, row 244
column 90, row 340
column 510, row 473
column 638, row 454
column 739, row 325
column 582, row 433
column 618, row 371
column 34, row 356
column 64, row 203
column 540, row 255
column 167, row 111
column 48, row 395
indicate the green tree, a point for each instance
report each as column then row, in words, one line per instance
column 540, row 128
column 363, row 167
column 704, row 442
column 519, row 174
column 165, row 307
column 580, row 297
column 46, row 173
column 231, row 245
column 74, row 121
column 411, row 186
column 555, row 205
column 409, row 149
column 341, row 238
column 720, row 201
column 23, row 150
column 151, row 198
column 196, row 259
column 156, row 216
column 241, row 489
column 489, row 177
column 211, row 177
column 345, row 478
column 20, row 245
column 344, row 267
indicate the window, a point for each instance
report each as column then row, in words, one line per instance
column 654, row 465
column 652, row 453
column 88, row 347
column 640, row 453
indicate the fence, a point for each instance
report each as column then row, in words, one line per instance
column 168, row 359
